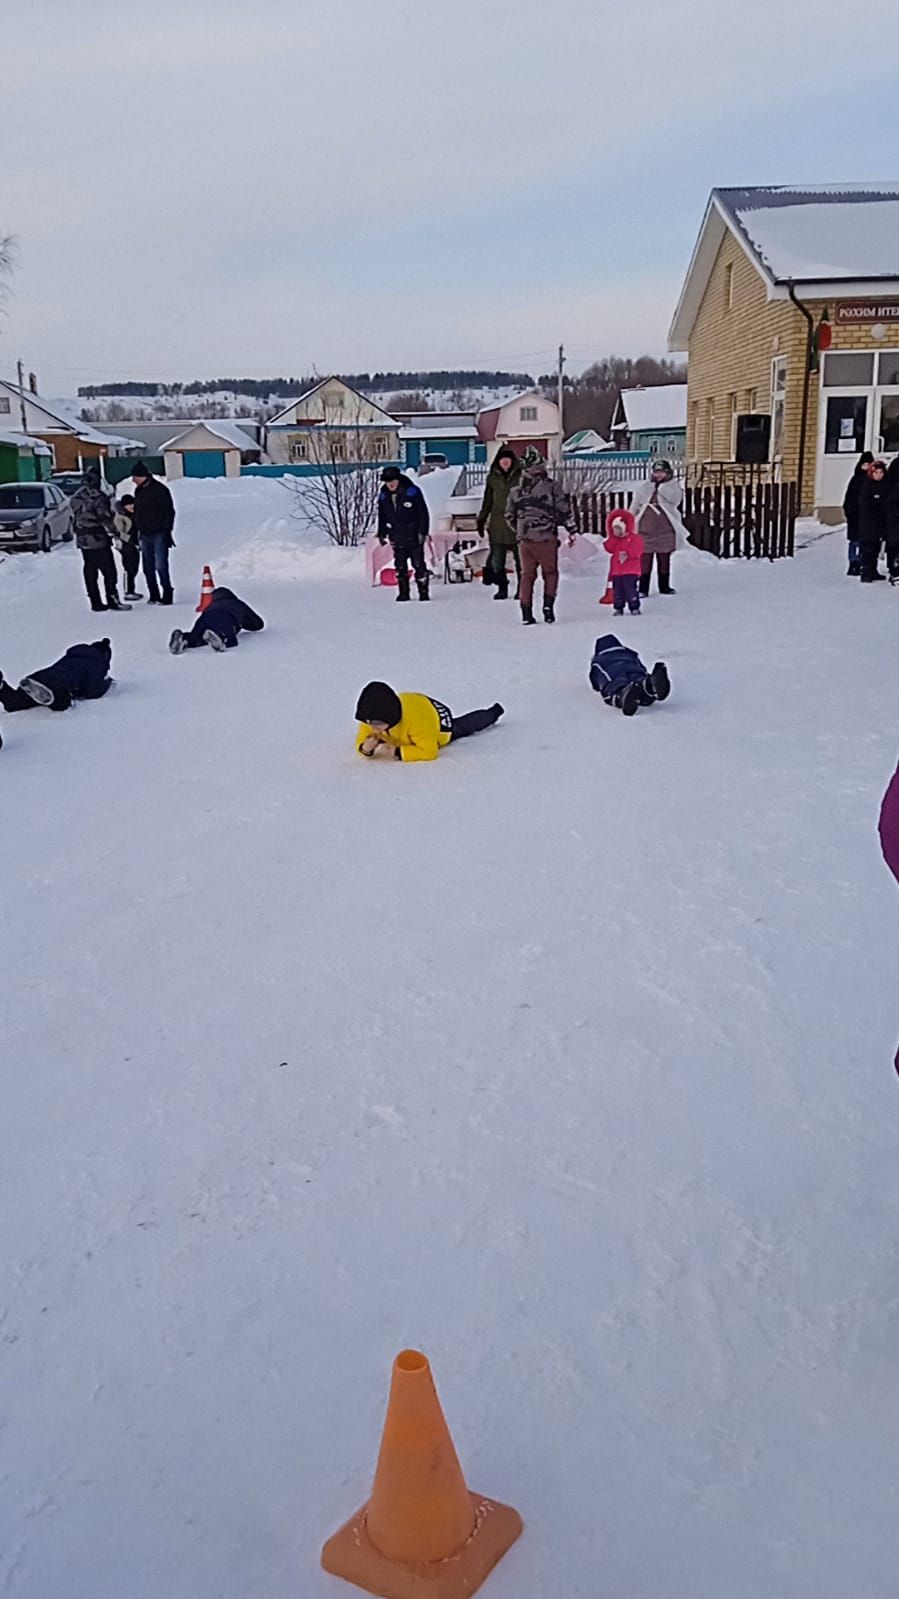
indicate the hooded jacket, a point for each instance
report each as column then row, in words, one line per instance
column 626, row 549
column 492, row 515
column 872, row 511
column 93, row 516
column 81, row 674
column 538, row 506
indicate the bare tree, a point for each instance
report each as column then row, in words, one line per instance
column 413, row 401
column 340, row 496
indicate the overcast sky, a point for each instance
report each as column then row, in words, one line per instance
column 209, row 188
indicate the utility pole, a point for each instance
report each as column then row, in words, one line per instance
column 561, row 396
column 21, row 369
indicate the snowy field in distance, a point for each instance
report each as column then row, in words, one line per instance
column 567, row 1058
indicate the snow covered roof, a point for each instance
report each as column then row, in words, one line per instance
column 60, row 418
column 231, row 434
column 334, row 378
column 464, row 430
column 25, row 441
column 838, row 238
column 649, row 410
column 511, row 399
column 585, row 439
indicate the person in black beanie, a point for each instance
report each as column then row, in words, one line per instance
column 412, row 727
column 154, row 519
column 81, row 674
column 403, row 518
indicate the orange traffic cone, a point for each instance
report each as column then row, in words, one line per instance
column 206, row 589
column 608, row 597
column 422, row 1535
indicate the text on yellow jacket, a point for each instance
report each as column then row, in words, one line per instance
column 418, row 735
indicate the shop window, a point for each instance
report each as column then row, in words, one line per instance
column 888, row 368
column 845, row 369
column 844, row 424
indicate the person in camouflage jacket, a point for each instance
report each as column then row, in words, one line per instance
column 536, row 508
column 94, row 524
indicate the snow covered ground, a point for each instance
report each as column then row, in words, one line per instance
column 567, row 1058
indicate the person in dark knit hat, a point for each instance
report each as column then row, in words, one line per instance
column 412, row 727
column 154, row 520
column 403, row 518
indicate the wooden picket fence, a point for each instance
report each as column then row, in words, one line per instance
column 752, row 521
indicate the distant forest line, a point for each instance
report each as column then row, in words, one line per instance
column 289, row 388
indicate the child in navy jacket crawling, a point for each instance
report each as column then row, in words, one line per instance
column 618, row 674
column 218, row 626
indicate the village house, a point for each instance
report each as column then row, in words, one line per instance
column 790, row 316
column 23, row 459
column 450, row 437
column 209, row 449
column 75, row 444
column 330, row 424
column 526, row 419
column 652, row 419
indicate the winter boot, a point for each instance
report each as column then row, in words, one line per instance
column 665, row 587
column 632, row 698
column 178, row 642
column 549, row 611
column 502, row 587
column 660, row 681
column 527, row 614
column 618, row 611
column 214, row 640
column 854, row 569
column 115, row 604
column 152, row 594
column 132, row 594
column 644, row 583
column 424, row 588
column 39, row 692
column 402, row 588
column 168, row 597
column 99, row 607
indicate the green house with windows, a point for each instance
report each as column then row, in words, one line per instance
column 24, row 459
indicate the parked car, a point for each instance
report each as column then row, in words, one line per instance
column 67, row 481
column 33, row 516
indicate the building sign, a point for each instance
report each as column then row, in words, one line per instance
column 851, row 312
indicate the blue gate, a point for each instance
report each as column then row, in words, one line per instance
column 204, row 463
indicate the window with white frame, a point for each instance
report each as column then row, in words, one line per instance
column 299, row 449
column 778, row 406
column 5, row 406
column 527, row 413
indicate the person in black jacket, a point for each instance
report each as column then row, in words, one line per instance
column 872, row 521
column 218, row 626
column 850, row 511
column 403, row 519
column 81, row 674
column 892, row 530
column 154, row 519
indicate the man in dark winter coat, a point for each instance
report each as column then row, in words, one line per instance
column 503, row 476
column 850, row 511
column 224, row 617
column 535, row 511
column 872, row 521
column 154, row 520
column 618, row 674
column 892, row 519
column 81, row 674
column 94, row 523
column 403, row 518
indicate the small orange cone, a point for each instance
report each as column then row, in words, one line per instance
column 608, row 597
column 206, row 589
column 422, row 1535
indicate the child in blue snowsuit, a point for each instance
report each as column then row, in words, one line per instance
column 218, row 626
column 618, row 674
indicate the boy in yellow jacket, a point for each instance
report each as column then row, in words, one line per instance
column 412, row 727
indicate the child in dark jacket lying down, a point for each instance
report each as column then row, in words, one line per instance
column 81, row 674
column 618, row 674
column 218, row 626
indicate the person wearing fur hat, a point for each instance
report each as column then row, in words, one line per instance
column 412, row 727
column 656, row 504
column 81, row 674
column 625, row 547
column 618, row 674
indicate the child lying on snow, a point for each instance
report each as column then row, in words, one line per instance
column 618, row 674
column 412, row 727
column 81, row 674
column 218, row 626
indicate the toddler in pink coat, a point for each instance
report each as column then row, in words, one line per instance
column 625, row 546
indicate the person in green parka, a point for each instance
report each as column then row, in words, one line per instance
column 502, row 477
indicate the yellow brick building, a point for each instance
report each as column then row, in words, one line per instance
column 770, row 265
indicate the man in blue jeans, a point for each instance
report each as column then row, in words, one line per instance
column 154, row 519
